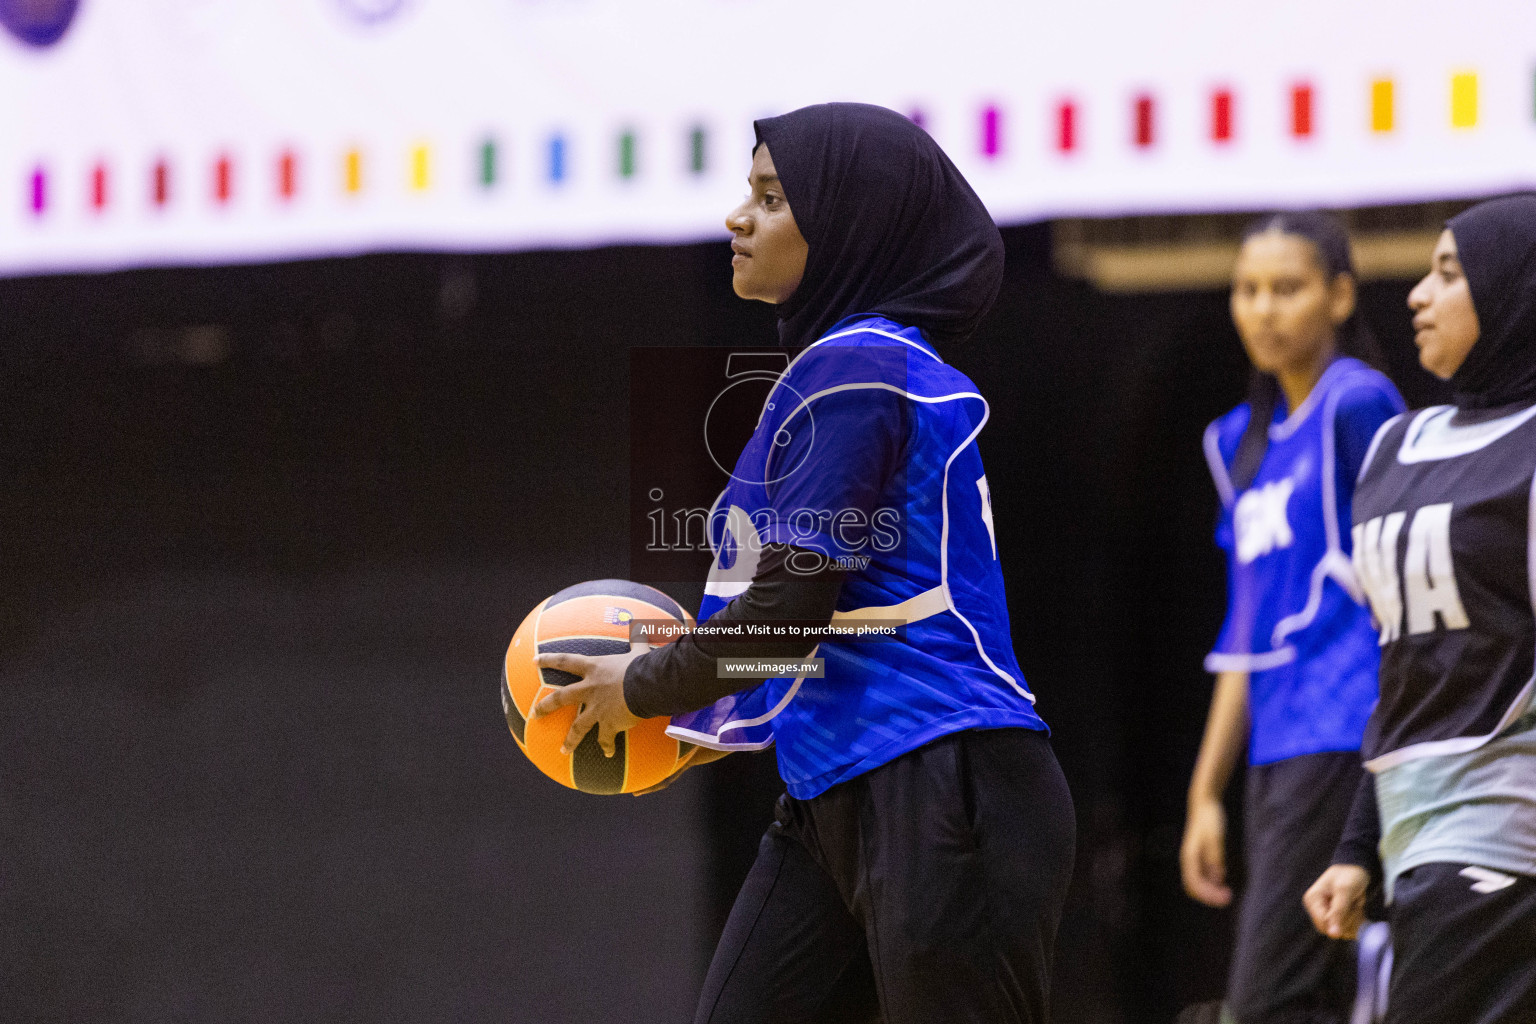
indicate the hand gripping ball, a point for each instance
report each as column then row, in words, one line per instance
column 592, row 619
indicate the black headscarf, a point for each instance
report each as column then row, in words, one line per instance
column 1496, row 243
column 893, row 228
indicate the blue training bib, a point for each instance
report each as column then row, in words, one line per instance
column 1296, row 619
column 866, row 452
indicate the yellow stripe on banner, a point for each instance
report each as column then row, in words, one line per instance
column 1464, row 99
column 352, row 172
column 1381, row 105
column 421, row 165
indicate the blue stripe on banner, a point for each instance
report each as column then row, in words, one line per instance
column 557, row 158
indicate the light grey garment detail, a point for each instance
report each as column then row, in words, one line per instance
column 1477, row 807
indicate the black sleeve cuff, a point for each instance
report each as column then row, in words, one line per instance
column 681, row 677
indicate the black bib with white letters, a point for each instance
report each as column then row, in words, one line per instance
column 1442, row 547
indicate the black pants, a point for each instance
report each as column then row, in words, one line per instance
column 1283, row 970
column 1463, row 947
column 927, row 890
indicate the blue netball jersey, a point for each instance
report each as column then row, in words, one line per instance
column 1296, row 617
column 865, row 451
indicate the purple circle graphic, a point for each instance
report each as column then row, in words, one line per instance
column 38, row 22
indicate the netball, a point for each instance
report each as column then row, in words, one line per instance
column 594, row 619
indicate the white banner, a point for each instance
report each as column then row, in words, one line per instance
column 210, row 131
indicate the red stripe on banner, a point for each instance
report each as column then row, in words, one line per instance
column 1301, row 110
column 223, row 179
column 99, row 187
column 287, row 175
column 160, row 183
column 1144, row 114
column 1066, row 126
column 1221, row 115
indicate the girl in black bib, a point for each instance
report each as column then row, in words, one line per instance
column 1445, row 547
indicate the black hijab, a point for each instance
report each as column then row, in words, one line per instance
column 1496, row 243
column 893, row 228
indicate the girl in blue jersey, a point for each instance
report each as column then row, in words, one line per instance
column 918, row 864
column 1296, row 659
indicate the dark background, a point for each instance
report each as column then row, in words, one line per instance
column 266, row 531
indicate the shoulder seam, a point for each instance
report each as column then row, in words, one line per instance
column 1370, row 453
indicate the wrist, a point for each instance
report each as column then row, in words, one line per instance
column 1201, row 796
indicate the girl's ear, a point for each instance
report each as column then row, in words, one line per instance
column 1342, row 298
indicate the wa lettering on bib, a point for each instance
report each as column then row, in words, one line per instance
column 1427, row 584
column 1442, row 549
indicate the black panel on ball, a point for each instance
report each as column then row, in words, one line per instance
column 594, row 773
column 515, row 720
column 591, row 646
column 555, row 677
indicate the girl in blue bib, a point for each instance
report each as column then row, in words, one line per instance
column 1296, row 659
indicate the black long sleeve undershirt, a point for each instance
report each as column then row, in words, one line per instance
column 1361, row 841
column 681, row 676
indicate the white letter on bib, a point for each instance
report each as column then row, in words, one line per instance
column 1375, row 559
column 986, row 512
column 1259, row 520
column 1429, row 579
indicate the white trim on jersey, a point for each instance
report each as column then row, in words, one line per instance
column 714, row 742
column 1211, row 442
column 986, row 413
column 1333, row 565
column 866, row 330
column 1475, row 436
column 1215, row 662
column 1292, row 423
column 1459, row 744
column 921, row 601
column 914, row 609
column 1370, row 453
